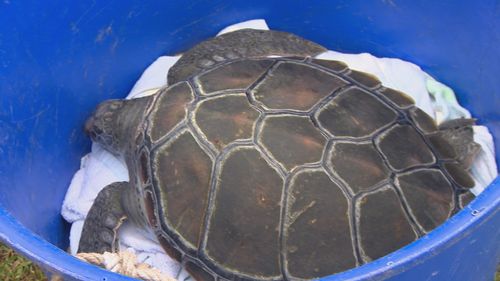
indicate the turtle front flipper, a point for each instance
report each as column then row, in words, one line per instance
column 106, row 215
column 244, row 43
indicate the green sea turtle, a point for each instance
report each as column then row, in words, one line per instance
column 250, row 166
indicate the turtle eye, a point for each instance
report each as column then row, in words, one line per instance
column 97, row 131
column 94, row 129
column 92, row 134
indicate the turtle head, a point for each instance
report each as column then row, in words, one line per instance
column 116, row 122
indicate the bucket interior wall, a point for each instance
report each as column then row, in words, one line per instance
column 58, row 60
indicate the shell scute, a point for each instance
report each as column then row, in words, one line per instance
column 170, row 109
column 317, row 211
column 429, row 196
column 182, row 176
column 292, row 140
column 355, row 113
column 243, row 234
column 383, row 225
column 295, row 86
column 232, row 76
column 226, row 119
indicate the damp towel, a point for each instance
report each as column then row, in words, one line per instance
column 100, row 168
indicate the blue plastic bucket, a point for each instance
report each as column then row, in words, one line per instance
column 58, row 59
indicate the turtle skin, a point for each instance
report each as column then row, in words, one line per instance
column 283, row 168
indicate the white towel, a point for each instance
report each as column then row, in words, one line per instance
column 99, row 168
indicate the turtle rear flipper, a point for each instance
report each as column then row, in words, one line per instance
column 106, row 215
column 454, row 143
column 460, row 135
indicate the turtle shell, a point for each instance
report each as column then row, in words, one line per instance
column 286, row 168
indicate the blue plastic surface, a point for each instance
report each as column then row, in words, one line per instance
column 58, row 59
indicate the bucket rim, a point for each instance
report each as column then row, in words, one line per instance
column 462, row 224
